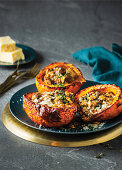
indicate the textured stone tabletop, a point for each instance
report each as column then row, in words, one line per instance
column 56, row 29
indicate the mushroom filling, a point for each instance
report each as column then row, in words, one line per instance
column 54, row 98
column 96, row 101
column 59, row 76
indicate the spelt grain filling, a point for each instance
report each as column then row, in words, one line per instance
column 56, row 98
column 92, row 102
column 59, row 76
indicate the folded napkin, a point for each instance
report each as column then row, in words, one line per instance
column 107, row 66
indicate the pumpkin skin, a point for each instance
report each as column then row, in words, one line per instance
column 71, row 87
column 107, row 113
column 48, row 116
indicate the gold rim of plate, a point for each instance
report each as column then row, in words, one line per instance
column 61, row 140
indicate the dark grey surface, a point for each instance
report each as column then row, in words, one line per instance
column 56, row 29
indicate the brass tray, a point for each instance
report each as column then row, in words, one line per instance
column 60, row 140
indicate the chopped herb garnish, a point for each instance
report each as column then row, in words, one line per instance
column 59, row 77
column 60, row 85
column 100, row 155
column 108, row 146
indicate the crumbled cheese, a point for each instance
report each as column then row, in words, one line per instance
column 47, row 101
column 35, row 100
column 85, row 128
column 89, row 104
column 93, row 126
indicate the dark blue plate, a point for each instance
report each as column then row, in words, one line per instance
column 29, row 53
column 17, row 111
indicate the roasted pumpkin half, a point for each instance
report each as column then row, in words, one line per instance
column 59, row 76
column 99, row 102
column 50, row 109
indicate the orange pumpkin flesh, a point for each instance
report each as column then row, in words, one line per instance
column 108, row 112
column 73, row 86
column 48, row 116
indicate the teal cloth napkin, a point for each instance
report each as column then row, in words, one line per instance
column 107, row 66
